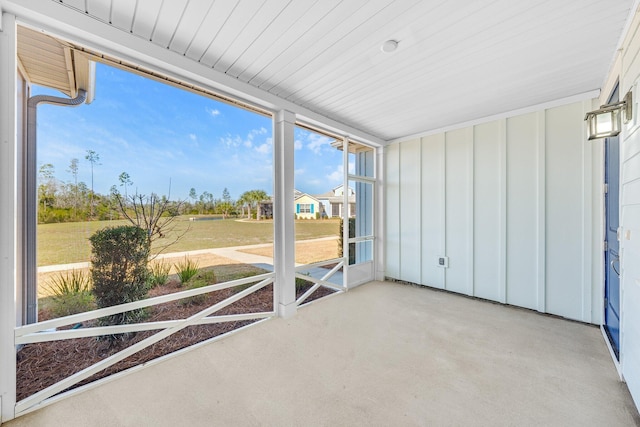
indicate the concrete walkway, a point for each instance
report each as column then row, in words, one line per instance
column 234, row 253
column 382, row 354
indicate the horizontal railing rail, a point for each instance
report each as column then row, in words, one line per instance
column 134, row 327
column 116, row 309
column 41, row 332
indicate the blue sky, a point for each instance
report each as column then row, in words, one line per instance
column 157, row 134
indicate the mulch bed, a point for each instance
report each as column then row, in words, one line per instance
column 40, row 365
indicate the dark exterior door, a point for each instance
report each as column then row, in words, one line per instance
column 612, row 246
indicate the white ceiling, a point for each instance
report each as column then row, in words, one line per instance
column 457, row 60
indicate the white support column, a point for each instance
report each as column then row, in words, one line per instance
column 283, row 214
column 8, row 206
column 380, row 232
column 345, row 212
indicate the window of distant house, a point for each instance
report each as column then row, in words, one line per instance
column 335, row 209
column 305, row 208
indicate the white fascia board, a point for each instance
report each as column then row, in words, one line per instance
column 63, row 22
column 623, row 36
column 538, row 107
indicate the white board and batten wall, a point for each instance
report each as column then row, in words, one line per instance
column 515, row 204
column 628, row 74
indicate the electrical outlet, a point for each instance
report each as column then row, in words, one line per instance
column 443, row 262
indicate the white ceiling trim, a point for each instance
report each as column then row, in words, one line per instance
column 539, row 107
column 65, row 23
column 623, row 35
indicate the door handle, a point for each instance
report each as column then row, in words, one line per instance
column 613, row 265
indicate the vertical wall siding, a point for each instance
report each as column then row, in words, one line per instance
column 565, row 145
column 458, row 207
column 433, row 221
column 522, row 211
column 410, row 224
column 487, row 203
column 504, row 201
column 630, row 217
column 392, row 212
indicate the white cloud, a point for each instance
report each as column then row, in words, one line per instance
column 263, row 148
column 336, row 175
column 247, row 141
column 297, row 144
column 299, row 171
column 231, row 141
column 213, row 112
column 317, row 142
column 261, row 131
column 266, row 147
column 192, row 136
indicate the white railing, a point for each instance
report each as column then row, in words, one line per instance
column 45, row 331
column 323, row 281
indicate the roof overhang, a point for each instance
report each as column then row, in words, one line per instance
column 52, row 63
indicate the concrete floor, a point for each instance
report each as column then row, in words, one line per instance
column 382, row 354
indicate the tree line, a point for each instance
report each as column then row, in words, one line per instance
column 73, row 200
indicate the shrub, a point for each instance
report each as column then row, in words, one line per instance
column 71, row 293
column 69, row 283
column 72, row 304
column 302, row 284
column 158, row 273
column 186, row 270
column 200, row 280
column 119, row 257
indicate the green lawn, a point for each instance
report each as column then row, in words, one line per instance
column 68, row 242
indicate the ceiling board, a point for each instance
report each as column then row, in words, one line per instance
column 213, row 23
column 101, row 9
column 145, row 18
column 123, row 13
column 285, row 42
column 331, row 26
column 238, row 22
column 457, row 61
column 192, row 18
column 168, row 19
column 252, row 31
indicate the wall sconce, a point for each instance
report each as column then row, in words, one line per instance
column 605, row 121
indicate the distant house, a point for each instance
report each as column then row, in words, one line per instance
column 306, row 206
column 331, row 202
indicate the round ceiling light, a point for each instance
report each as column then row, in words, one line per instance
column 389, row 46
